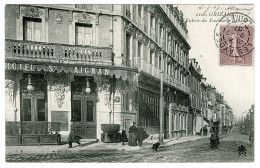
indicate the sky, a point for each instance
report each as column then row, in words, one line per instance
column 236, row 83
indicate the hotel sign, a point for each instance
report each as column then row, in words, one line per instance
column 52, row 68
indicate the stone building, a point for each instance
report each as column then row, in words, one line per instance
column 196, row 104
column 87, row 65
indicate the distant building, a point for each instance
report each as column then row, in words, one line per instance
column 196, row 103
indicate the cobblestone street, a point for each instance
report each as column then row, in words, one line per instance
column 196, row 151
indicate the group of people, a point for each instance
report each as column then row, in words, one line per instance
column 136, row 136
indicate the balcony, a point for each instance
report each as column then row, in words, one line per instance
column 141, row 23
column 150, row 69
column 175, row 22
column 57, row 53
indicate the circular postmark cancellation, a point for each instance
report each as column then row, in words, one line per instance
column 234, row 36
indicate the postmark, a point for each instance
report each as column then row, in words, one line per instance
column 234, row 36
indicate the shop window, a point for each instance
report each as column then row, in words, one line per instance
column 84, row 34
column 32, row 28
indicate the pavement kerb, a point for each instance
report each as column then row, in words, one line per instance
column 100, row 146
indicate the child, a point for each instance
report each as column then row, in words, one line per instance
column 73, row 138
column 123, row 137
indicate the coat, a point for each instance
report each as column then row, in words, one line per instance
column 123, row 137
column 141, row 134
column 132, row 136
column 73, row 137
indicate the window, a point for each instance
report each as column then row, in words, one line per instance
column 32, row 29
column 104, row 6
column 83, row 34
column 151, row 57
column 128, row 49
column 139, row 50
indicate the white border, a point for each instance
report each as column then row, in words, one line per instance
column 139, row 165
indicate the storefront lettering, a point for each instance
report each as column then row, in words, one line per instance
column 51, row 68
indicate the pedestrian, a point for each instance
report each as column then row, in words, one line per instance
column 251, row 137
column 205, row 130
column 73, row 137
column 123, row 137
column 132, row 135
column 214, row 138
column 141, row 135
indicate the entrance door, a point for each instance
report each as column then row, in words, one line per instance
column 33, row 107
column 84, row 115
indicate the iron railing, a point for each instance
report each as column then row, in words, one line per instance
column 152, row 70
column 31, row 127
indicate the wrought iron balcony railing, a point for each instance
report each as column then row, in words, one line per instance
column 57, row 53
column 152, row 70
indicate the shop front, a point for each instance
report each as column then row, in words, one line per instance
column 54, row 99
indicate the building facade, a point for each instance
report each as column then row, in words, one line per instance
column 87, row 65
column 196, row 103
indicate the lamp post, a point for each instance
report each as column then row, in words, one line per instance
column 161, row 101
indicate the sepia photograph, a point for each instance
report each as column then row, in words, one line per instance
column 129, row 83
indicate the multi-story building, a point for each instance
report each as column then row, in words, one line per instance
column 87, row 65
column 196, row 104
column 157, row 41
column 204, row 103
column 211, row 95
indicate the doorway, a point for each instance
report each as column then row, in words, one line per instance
column 34, row 102
column 83, row 108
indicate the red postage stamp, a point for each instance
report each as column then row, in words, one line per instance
column 235, row 40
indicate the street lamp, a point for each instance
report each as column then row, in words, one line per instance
column 161, row 101
column 88, row 90
column 30, row 87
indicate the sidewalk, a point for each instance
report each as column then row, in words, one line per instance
column 96, row 146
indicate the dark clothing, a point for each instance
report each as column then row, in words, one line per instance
column 141, row 135
column 73, row 137
column 251, row 137
column 132, row 136
column 132, row 129
column 123, row 137
column 214, row 138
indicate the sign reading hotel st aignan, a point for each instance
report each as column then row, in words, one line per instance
column 51, row 68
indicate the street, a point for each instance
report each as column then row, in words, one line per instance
column 196, row 151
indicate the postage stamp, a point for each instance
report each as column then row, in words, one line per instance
column 234, row 35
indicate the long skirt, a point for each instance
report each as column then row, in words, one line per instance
column 132, row 139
